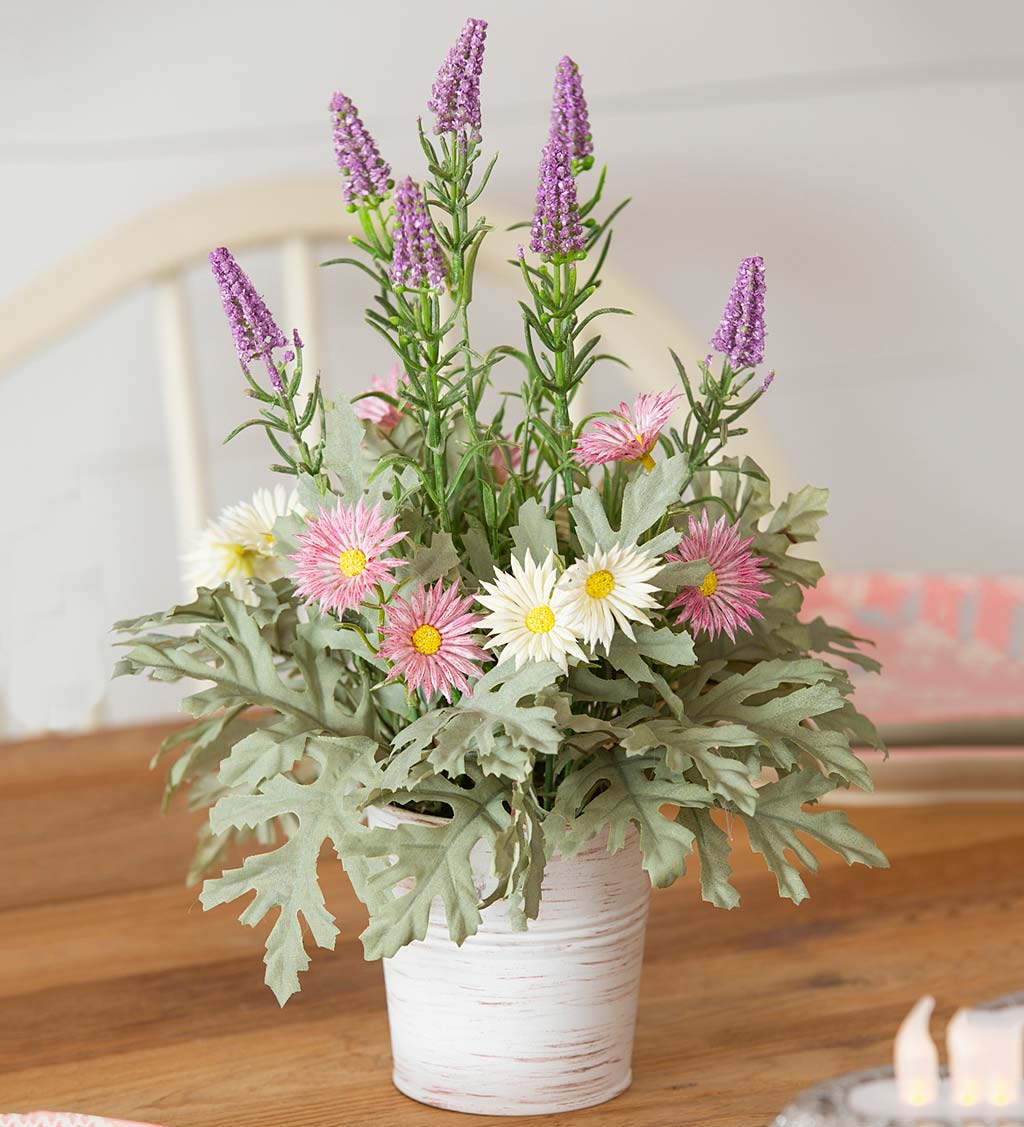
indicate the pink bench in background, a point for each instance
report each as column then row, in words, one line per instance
column 951, row 646
column 950, row 699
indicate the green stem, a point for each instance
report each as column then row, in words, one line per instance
column 429, row 317
column 549, row 782
column 356, row 630
column 563, row 292
column 458, row 171
column 306, row 458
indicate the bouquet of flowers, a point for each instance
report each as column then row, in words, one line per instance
column 538, row 627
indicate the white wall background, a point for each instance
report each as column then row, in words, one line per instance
column 869, row 149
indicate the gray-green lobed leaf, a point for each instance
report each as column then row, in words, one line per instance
column 694, row 745
column 634, row 793
column 488, row 725
column 343, row 450
column 420, row 864
column 434, row 561
column 535, row 533
column 713, row 850
column 286, row 878
column 779, row 819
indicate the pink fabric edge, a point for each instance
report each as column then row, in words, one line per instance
column 65, row 1119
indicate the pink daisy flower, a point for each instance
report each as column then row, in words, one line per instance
column 728, row 596
column 429, row 640
column 505, row 461
column 630, row 436
column 341, row 556
column 377, row 410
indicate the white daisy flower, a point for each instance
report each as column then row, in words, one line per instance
column 608, row 589
column 238, row 545
column 527, row 618
column 252, row 522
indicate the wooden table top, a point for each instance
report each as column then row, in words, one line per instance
column 120, row 996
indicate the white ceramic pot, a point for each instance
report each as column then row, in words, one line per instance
column 525, row 1023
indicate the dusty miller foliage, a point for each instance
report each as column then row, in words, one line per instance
column 295, row 733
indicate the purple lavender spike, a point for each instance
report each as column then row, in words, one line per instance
column 417, row 259
column 557, row 233
column 740, row 335
column 766, row 383
column 365, row 171
column 455, row 97
column 296, row 339
column 252, row 326
column 570, row 122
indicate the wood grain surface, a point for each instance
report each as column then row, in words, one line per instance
column 119, row 996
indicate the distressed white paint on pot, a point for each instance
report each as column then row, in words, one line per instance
column 524, row 1023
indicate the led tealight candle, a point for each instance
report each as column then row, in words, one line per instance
column 963, row 1050
column 986, row 1056
column 984, row 1088
column 1005, row 1073
column 916, row 1058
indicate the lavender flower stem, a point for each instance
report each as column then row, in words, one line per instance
column 453, row 185
column 378, row 243
column 429, row 312
column 562, row 294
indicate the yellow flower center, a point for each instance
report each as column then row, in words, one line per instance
column 600, row 584
column 710, row 585
column 540, row 620
column 352, row 562
column 426, row 639
column 240, row 557
column 643, row 457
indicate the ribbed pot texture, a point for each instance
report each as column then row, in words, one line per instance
column 524, row 1023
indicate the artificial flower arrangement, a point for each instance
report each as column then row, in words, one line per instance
column 523, row 630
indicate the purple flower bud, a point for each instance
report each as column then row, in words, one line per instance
column 455, row 97
column 417, row 259
column 557, row 233
column 275, row 375
column 289, row 356
column 741, row 332
column 296, row 339
column 253, row 328
column 365, row 171
column 766, row 383
column 569, row 120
